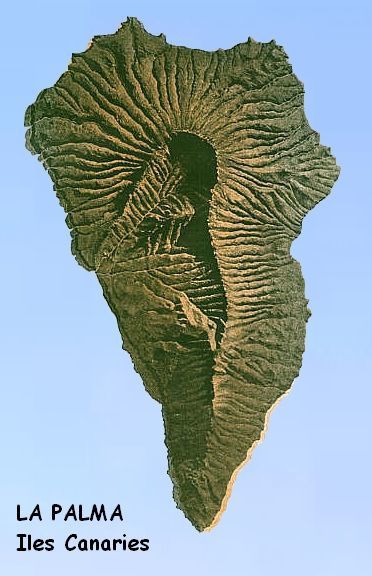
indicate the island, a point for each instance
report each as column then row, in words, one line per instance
column 185, row 176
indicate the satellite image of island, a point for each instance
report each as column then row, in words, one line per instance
column 185, row 176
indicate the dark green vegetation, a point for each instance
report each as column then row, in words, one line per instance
column 186, row 175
